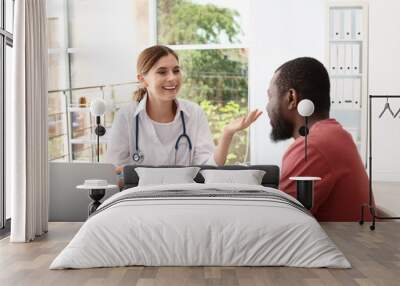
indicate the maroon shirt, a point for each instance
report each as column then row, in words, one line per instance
column 333, row 156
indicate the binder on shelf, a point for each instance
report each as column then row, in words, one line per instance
column 333, row 92
column 339, row 91
column 356, row 56
column 331, row 26
column 337, row 24
column 358, row 35
column 341, row 59
column 347, row 98
column 356, row 87
column 348, row 59
column 353, row 24
column 333, row 59
column 347, row 24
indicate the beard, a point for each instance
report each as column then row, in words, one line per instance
column 282, row 129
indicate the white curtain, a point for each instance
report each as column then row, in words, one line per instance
column 28, row 123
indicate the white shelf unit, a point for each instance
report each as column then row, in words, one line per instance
column 347, row 63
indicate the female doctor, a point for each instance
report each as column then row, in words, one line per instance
column 159, row 129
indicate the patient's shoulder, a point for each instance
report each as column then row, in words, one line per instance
column 295, row 152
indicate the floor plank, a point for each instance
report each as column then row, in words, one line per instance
column 375, row 257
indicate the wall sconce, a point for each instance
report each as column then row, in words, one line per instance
column 305, row 108
column 305, row 185
column 97, row 108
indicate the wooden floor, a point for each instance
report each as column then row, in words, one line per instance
column 374, row 255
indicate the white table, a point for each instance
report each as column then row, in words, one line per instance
column 96, row 193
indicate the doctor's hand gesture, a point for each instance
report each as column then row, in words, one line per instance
column 242, row 122
column 221, row 151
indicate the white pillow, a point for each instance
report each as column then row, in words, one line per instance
column 165, row 176
column 248, row 177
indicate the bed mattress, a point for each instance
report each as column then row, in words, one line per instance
column 201, row 225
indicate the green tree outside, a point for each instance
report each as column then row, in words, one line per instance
column 214, row 78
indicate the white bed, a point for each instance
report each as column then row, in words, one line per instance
column 225, row 225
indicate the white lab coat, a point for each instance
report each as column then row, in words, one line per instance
column 121, row 140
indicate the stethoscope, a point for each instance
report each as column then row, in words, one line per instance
column 138, row 156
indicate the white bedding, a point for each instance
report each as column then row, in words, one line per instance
column 182, row 231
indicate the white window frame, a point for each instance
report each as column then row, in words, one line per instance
column 6, row 40
column 186, row 47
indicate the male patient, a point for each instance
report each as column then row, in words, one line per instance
column 332, row 154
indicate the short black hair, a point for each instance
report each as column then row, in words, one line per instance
column 308, row 77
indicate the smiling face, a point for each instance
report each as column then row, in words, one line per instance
column 163, row 81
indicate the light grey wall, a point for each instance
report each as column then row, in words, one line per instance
column 384, row 61
column 68, row 203
column 107, row 37
column 279, row 31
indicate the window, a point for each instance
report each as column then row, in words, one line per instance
column 93, row 48
column 209, row 37
column 6, row 43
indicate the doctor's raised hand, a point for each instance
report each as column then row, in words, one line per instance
column 238, row 124
column 242, row 122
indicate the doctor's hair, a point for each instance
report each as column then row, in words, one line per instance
column 309, row 78
column 146, row 60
